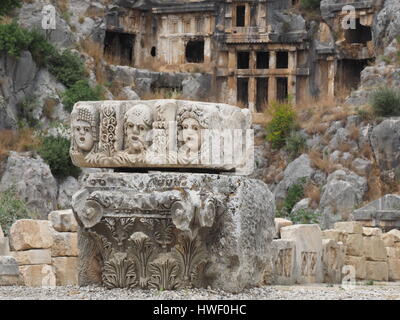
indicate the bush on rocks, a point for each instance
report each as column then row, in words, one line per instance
column 81, row 91
column 55, row 152
column 12, row 208
column 282, row 124
column 386, row 102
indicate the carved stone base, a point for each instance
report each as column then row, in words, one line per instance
column 174, row 230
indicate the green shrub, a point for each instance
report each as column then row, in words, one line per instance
column 41, row 49
column 386, row 102
column 295, row 144
column 303, row 216
column 67, row 67
column 7, row 5
column 14, row 39
column 26, row 108
column 282, row 124
column 310, row 4
column 295, row 194
column 12, row 208
column 81, row 91
column 55, row 152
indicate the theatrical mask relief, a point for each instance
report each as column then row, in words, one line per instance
column 162, row 133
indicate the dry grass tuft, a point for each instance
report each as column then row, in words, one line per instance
column 354, row 132
column 321, row 162
column 20, row 141
column 313, row 192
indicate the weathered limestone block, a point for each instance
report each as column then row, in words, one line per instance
column 65, row 244
column 333, row 256
column 66, row 270
column 377, row 270
column 389, row 240
column 395, row 232
column 337, row 235
column 354, row 245
column 359, row 264
column 349, row 227
column 39, row 275
column 280, row 223
column 367, row 231
column 63, row 221
column 374, row 249
column 162, row 134
column 173, row 230
column 394, row 269
column 308, row 239
column 4, row 247
column 284, row 261
column 393, row 253
column 31, row 234
column 35, row 256
column 9, row 273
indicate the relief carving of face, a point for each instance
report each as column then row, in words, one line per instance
column 83, row 135
column 191, row 134
column 138, row 124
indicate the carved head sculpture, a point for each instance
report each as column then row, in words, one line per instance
column 84, row 129
column 137, row 126
column 191, row 121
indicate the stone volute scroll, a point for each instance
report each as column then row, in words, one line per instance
column 156, row 221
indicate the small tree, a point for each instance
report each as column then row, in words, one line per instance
column 282, row 124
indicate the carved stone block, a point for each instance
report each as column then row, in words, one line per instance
column 162, row 134
column 284, row 261
column 173, row 230
column 333, row 256
column 308, row 239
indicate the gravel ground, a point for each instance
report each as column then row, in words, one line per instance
column 385, row 291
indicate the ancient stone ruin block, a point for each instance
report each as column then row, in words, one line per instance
column 333, row 256
column 359, row 264
column 35, row 256
column 4, row 247
column 9, row 273
column 349, row 227
column 308, row 239
column 396, row 233
column 371, row 231
column 377, row 270
column 389, row 239
column 354, row 245
column 65, row 244
column 39, row 275
column 31, row 234
column 394, row 269
column 66, row 270
column 174, row 230
column 337, row 235
column 162, row 134
column 284, row 261
column 63, row 221
column 393, row 252
column 374, row 249
column 280, row 223
column 383, row 213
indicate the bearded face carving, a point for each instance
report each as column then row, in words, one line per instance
column 138, row 125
